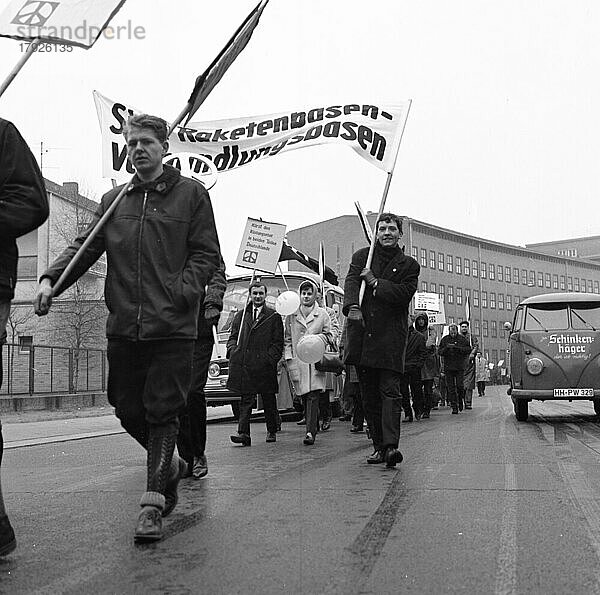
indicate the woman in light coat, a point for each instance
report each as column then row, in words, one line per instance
column 309, row 319
column 482, row 373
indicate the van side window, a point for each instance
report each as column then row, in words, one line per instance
column 546, row 317
column 518, row 319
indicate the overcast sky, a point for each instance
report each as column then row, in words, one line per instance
column 501, row 142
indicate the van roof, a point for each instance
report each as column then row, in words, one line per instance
column 561, row 298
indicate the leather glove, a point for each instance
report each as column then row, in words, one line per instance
column 211, row 315
column 369, row 277
column 355, row 314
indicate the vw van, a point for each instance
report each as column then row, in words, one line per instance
column 554, row 350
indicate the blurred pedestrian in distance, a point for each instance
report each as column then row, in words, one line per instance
column 411, row 384
column 482, row 373
column 469, row 374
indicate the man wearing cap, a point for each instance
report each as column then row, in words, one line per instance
column 254, row 349
column 377, row 330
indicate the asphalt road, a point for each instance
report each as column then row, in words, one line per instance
column 481, row 504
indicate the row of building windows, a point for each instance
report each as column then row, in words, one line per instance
column 459, row 296
column 503, row 274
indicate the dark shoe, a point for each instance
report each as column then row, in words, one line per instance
column 418, row 416
column 345, row 418
column 177, row 470
column 242, row 439
column 149, row 527
column 392, row 457
column 271, row 437
column 309, row 439
column 460, row 406
column 356, row 429
column 408, row 418
column 468, row 407
column 375, row 458
column 8, row 541
column 302, row 422
column 425, row 416
column 454, row 410
column 200, row 468
column 325, row 426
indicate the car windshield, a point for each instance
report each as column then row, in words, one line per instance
column 585, row 316
column 546, row 317
column 236, row 295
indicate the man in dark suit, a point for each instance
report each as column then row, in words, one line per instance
column 377, row 330
column 254, row 348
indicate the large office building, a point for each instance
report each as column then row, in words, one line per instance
column 493, row 277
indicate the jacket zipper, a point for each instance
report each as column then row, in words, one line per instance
column 139, row 271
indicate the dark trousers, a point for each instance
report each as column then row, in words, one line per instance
column 269, row 407
column 148, row 383
column 352, row 394
column 380, row 391
column 191, row 441
column 411, row 385
column 481, row 387
column 428, row 395
column 324, row 406
column 455, row 387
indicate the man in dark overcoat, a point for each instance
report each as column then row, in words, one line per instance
column 254, row 348
column 377, row 330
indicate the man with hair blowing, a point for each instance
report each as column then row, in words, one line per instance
column 162, row 248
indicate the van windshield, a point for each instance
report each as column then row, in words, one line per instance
column 585, row 316
column 546, row 317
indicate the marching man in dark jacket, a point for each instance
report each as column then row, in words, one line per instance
column 411, row 384
column 455, row 349
column 23, row 207
column 377, row 329
column 254, row 348
column 162, row 247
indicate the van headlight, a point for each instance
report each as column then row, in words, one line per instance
column 535, row 366
column 214, row 370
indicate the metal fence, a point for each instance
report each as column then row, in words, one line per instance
column 46, row 369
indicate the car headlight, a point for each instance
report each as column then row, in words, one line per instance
column 535, row 366
column 214, row 370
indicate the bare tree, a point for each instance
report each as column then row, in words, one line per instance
column 18, row 319
column 80, row 312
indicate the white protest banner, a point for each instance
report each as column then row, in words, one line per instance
column 261, row 245
column 427, row 301
column 437, row 317
column 373, row 131
column 67, row 22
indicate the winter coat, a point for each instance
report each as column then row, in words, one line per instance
column 455, row 351
column 482, row 372
column 431, row 367
column 162, row 248
column 306, row 377
column 382, row 340
column 253, row 362
column 23, row 201
column 469, row 376
column 416, row 352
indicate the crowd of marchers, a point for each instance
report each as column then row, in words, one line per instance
column 164, row 293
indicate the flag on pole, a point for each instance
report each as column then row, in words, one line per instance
column 68, row 22
column 468, row 311
column 364, row 223
column 321, row 268
column 207, row 81
column 290, row 253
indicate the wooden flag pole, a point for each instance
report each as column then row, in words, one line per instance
column 178, row 119
column 13, row 73
column 388, row 181
column 244, row 310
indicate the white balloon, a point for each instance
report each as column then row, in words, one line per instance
column 310, row 349
column 287, row 303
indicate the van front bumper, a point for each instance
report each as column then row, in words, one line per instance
column 547, row 395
